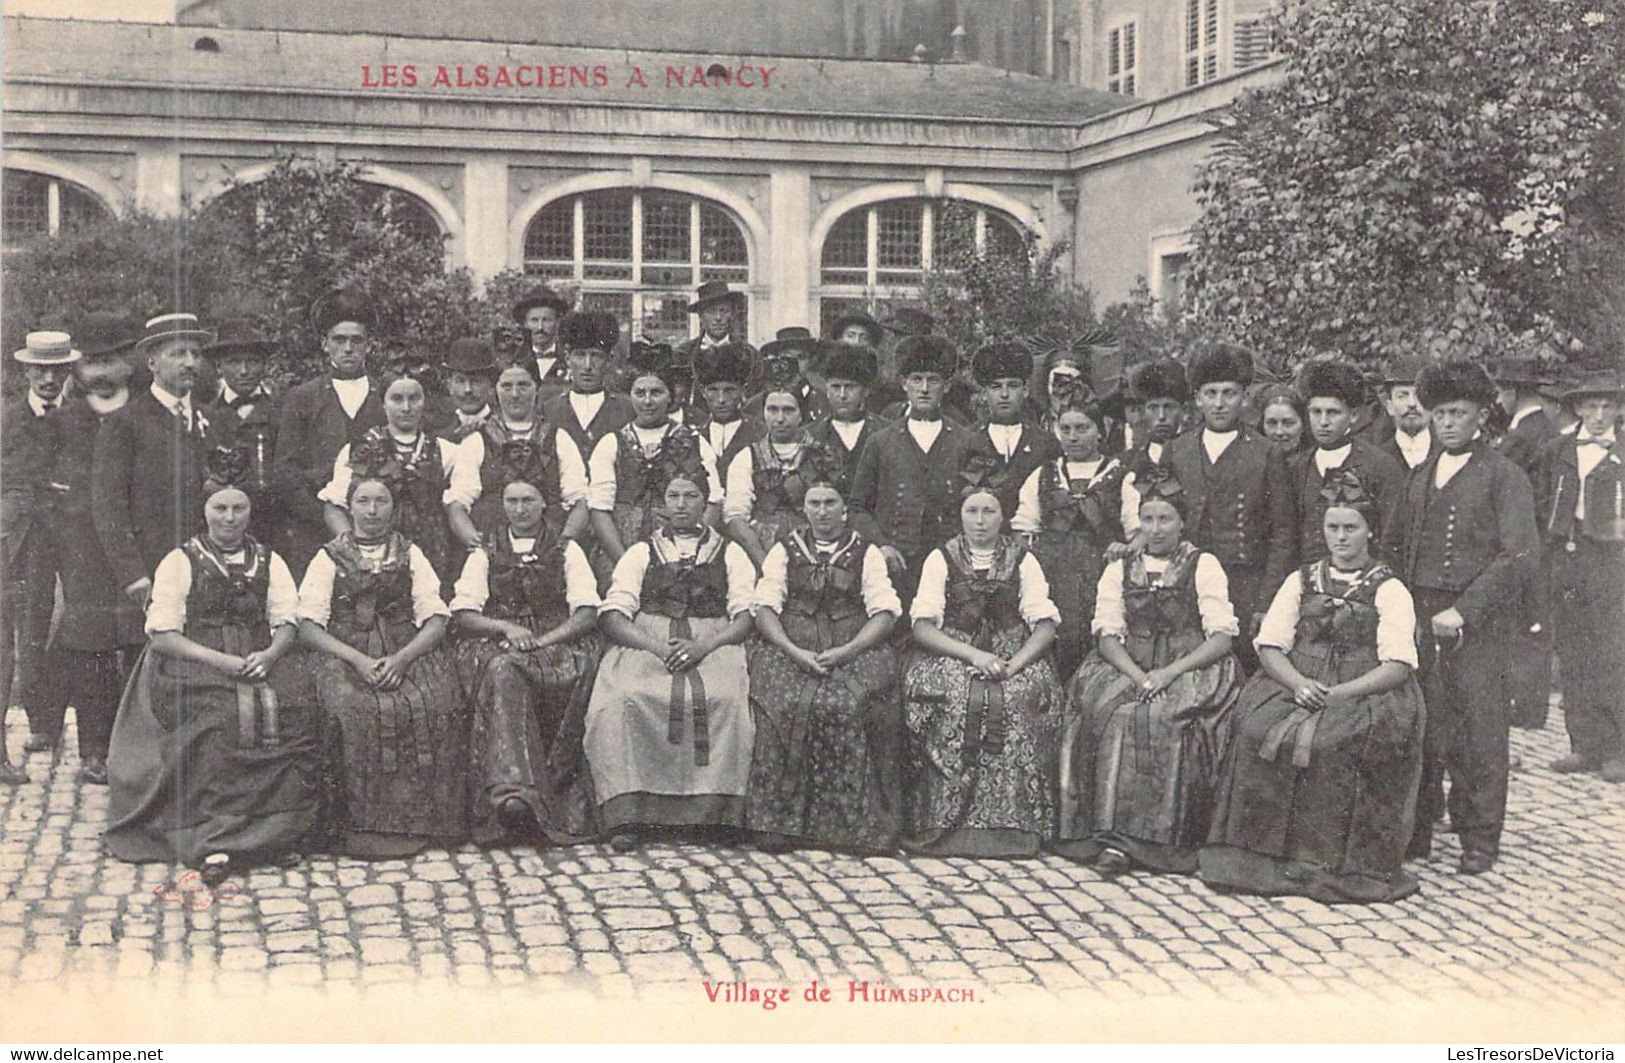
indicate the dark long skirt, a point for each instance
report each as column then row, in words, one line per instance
column 194, row 769
column 530, row 712
column 825, row 768
column 1072, row 561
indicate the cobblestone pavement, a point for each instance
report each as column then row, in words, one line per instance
column 1546, row 926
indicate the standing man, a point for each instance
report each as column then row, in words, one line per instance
column 471, row 381
column 538, row 313
column 720, row 310
column 245, row 415
column 29, row 555
column 789, row 362
column 320, row 417
column 849, row 373
column 1582, row 507
column 587, row 413
column 1334, row 393
column 152, row 456
column 1405, row 433
column 907, row 488
column 1466, row 543
column 1529, row 428
column 1161, row 391
column 722, row 384
column 1239, row 496
column 1011, row 446
column 857, row 329
column 100, row 633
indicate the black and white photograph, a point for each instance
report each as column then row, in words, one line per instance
column 812, row 520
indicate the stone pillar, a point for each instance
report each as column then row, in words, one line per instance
column 158, row 178
column 485, row 217
column 786, row 263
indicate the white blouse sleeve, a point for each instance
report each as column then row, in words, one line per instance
column 1129, row 511
column 1109, row 616
column 338, row 486
column 170, row 586
column 282, row 596
column 316, row 592
column 774, row 584
column 708, row 458
column 625, row 594
column 460, row 469
column 580, row 585
column 741, row 579
column 572, row 470
column 473, row 588
column 740, row 497
column 1035, row 602
column 879, row 596
column 1396, row 624
column 426, row 600
column 931, row 599
column 1213, row 598
column 601, row 473
column 1029, row 516
column 1279, row 628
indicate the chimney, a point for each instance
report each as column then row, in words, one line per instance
column 958, row 37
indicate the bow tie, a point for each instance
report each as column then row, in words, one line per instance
column 46, row 406
column 246, row 400
column 1594, row 441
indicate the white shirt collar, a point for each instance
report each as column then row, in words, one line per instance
column 1414, row 448
column 171, row 401
column 1216, row 443
column 848, row 431
column 1518, row 417
column 475, row 419
column 1005, row 437
column 925, row 433
column 1327, row 460
column 37, row 404
column 586, row 406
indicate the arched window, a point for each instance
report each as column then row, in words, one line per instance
column 241, row 205
column 638, row 254
column 878, row 255
column 39, row 205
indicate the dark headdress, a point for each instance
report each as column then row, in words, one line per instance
column 1220, row 363
column 1331, row 379
column 1459, row 379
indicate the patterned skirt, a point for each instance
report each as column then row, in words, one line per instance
column 670, row 749
column 1139, row 776
column 530, row 712
column 825, row 767
column 979, row 758
column 1319, row 804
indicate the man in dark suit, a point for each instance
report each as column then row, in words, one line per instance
column 1580, row 498
column 1240, row 507
column 320, row 417
column 906, row 492
column 1161, row 391
column 720, row 310
column 245, row 414
column 1404, row 433
column 100, row 632
column 849, row 372
column 1009, row 446
column 471, row 373
column 152, row 457
column 538, row 313
column 724, row 423
column 1466, row 543
column 587, row 413
column 1333, row 393
column 29, row 556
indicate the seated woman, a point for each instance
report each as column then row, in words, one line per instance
column 370, row 607
column 213, row 762
column 981, row 703
column 767, row 480
column 516, row 444
column 1318, row 793
column 530, row 601
column 1069, row 508
column 426, row 477
column 1148, row 712
column 626, row 485
column 669, row 730
column 823, row 687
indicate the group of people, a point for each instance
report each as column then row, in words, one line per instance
column 1191, row 625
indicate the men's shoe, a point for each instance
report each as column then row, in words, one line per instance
column 1613, row 770
column 514, row 814
column 216, row 869
column 94, row 771
column 36, row 744
column 1112, row 863
column 623, row 842
column 1575, row 763
column 1475, row 862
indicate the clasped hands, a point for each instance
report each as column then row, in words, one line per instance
column 251, row 667
column 384, row 673
column 680, row 655
column 823, row 662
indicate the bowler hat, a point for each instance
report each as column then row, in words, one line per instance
column 1598, row 383
column 173, row 327
column 47, row 348
column 103, row 333
column 541, row 295
column 470, row 356
column 712, row 292
column 238, row 336
column 1403, row 370
column 792, row 340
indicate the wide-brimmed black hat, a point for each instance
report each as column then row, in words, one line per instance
column 1330, row 378
column 1403, row 370
column 541, row 295
column 1519, row 370
column 792, row 340
column 589, row 330
column 875, row 329
column 925, row 354
column 239, row 336
column 846, row 362
column 1459, row 379
column 340, row 306
column 1001, row 361
column 103, row 333
column 910, row 321
column 712, row 292
column 471, row 356
column 1598, row 383
column 1222, row 363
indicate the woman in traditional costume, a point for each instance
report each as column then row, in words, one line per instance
column 767, row 480
column 1069, row 509
column 823, row 686
column 426, row 477
column 370, row 609
column 981, row 701
column 214, row 754
column 1148, row 712
column 669, row 729
column 1318, row 793
column 528, row 601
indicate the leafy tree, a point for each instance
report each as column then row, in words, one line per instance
column 1439, row 176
